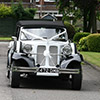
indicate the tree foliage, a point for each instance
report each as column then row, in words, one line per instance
column 88, row 10
column 19, row 12
column 69, row 11
column 5, row 11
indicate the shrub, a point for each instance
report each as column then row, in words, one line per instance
column 10, row 15
column 79, row 35
column 82, row 46
column 30, row 13
column 18, row 10
column 5, row 11
column 70, row 29
column 21, row 14
column 93, row 42
column 78, row 29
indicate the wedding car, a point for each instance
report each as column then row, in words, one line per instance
column 42, row 49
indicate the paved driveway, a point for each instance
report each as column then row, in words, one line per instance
column 48, row 89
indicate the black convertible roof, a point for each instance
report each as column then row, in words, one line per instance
column 40, row 23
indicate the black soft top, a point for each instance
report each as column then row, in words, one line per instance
column 40, row 23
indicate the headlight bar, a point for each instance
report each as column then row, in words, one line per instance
column 66, row 50
column 27, row 48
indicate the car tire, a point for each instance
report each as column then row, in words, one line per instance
column 14, row 78
column 77, row 79
column 8, row 74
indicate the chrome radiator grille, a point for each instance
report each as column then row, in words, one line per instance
column 53, row 53
column 40, row 56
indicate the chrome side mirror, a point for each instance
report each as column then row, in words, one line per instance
column 14, row 38
column 15, row 42
column 69, row 41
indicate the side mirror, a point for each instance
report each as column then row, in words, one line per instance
column 69, row 41
column 15, row 42
column 14, row 38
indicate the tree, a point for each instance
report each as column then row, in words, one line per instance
column 21, row 13
column 88, row 9
column 69, row 11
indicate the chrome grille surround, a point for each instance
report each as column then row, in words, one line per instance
column 53, row 53
column 40, row 56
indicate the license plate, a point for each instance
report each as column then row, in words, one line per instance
column 48, row 70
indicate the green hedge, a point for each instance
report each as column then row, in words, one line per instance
column 90, row 43
column 5, row 11
column 7, row 26
column 17, row 11
column 82, row 46
column 10, row 15
column 21, row 13
column 79, row 35
column 93, row 42
column 70, row 29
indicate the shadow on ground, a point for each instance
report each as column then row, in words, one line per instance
column 45, row 83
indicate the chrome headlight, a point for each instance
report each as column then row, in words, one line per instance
column 27, row 48
column 66, row 50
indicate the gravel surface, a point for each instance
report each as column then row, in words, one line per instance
column 48, row 89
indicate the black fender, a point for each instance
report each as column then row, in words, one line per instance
column 73, row 63
column 23, row 60
column 81, row 56
column 76, row 52
column 9, row 56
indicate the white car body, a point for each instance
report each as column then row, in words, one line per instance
column 49, row 53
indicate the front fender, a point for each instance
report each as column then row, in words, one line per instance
column 75, row 58
column 21, row 57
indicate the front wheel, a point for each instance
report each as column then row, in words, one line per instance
column 14, row 78
column 77, row 79
column 8, row 74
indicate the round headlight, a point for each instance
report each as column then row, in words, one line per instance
column 67, row 50
column 27, row 48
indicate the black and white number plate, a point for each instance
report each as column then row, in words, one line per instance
column 47, row 72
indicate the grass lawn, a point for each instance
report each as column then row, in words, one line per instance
column 5, row 38
column 92, row 57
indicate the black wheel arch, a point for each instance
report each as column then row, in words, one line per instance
column 73, row 64
column 23, row 59
column 20, row 62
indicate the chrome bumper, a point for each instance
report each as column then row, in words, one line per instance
column 35, row 70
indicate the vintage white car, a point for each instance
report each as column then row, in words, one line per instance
column 42, row 48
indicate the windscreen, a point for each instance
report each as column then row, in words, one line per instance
column 45, row 33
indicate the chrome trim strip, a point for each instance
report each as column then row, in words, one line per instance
column 35, row 69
